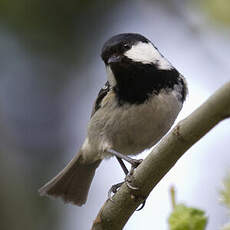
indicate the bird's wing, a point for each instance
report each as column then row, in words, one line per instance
column 102, row 93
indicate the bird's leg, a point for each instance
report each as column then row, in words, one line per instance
column 134, row 163
column 122, row 164
column 115, row 187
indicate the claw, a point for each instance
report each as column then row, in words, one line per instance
column 131, row 186
column 136, row 162
column 141, row 206
column 128, row 181
column 113, row 190
column 115, row 187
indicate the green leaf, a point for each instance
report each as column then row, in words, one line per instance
column 187, row 218
column 225, row 192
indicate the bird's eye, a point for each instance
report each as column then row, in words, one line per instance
column 126, row 46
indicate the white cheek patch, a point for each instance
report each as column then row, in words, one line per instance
column 111, row 77
column 146, row 53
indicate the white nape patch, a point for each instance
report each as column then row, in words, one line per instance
column 146, row 53
column 110, row 76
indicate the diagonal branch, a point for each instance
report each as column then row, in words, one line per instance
column 114, row 214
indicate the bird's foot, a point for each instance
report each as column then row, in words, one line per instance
column 129, row 174
column 113, row 190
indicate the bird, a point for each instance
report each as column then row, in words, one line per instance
column 136, row 107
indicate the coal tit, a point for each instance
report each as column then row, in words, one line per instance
column 137, row 106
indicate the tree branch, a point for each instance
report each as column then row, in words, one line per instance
column 114, row 214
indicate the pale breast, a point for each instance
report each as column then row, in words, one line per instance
column 130, row 129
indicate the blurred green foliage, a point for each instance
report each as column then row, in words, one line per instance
column 225, row 196
column 225, row 192
column 187, row 218
column 219, row 10
column 52, row 25
column 41, row 13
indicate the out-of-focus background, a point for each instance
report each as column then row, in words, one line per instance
column 50, row 73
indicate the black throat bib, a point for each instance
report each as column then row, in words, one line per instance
column 137, row 81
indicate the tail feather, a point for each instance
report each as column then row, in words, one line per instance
column 73, row 182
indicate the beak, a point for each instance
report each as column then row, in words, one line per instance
column 114, row 59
